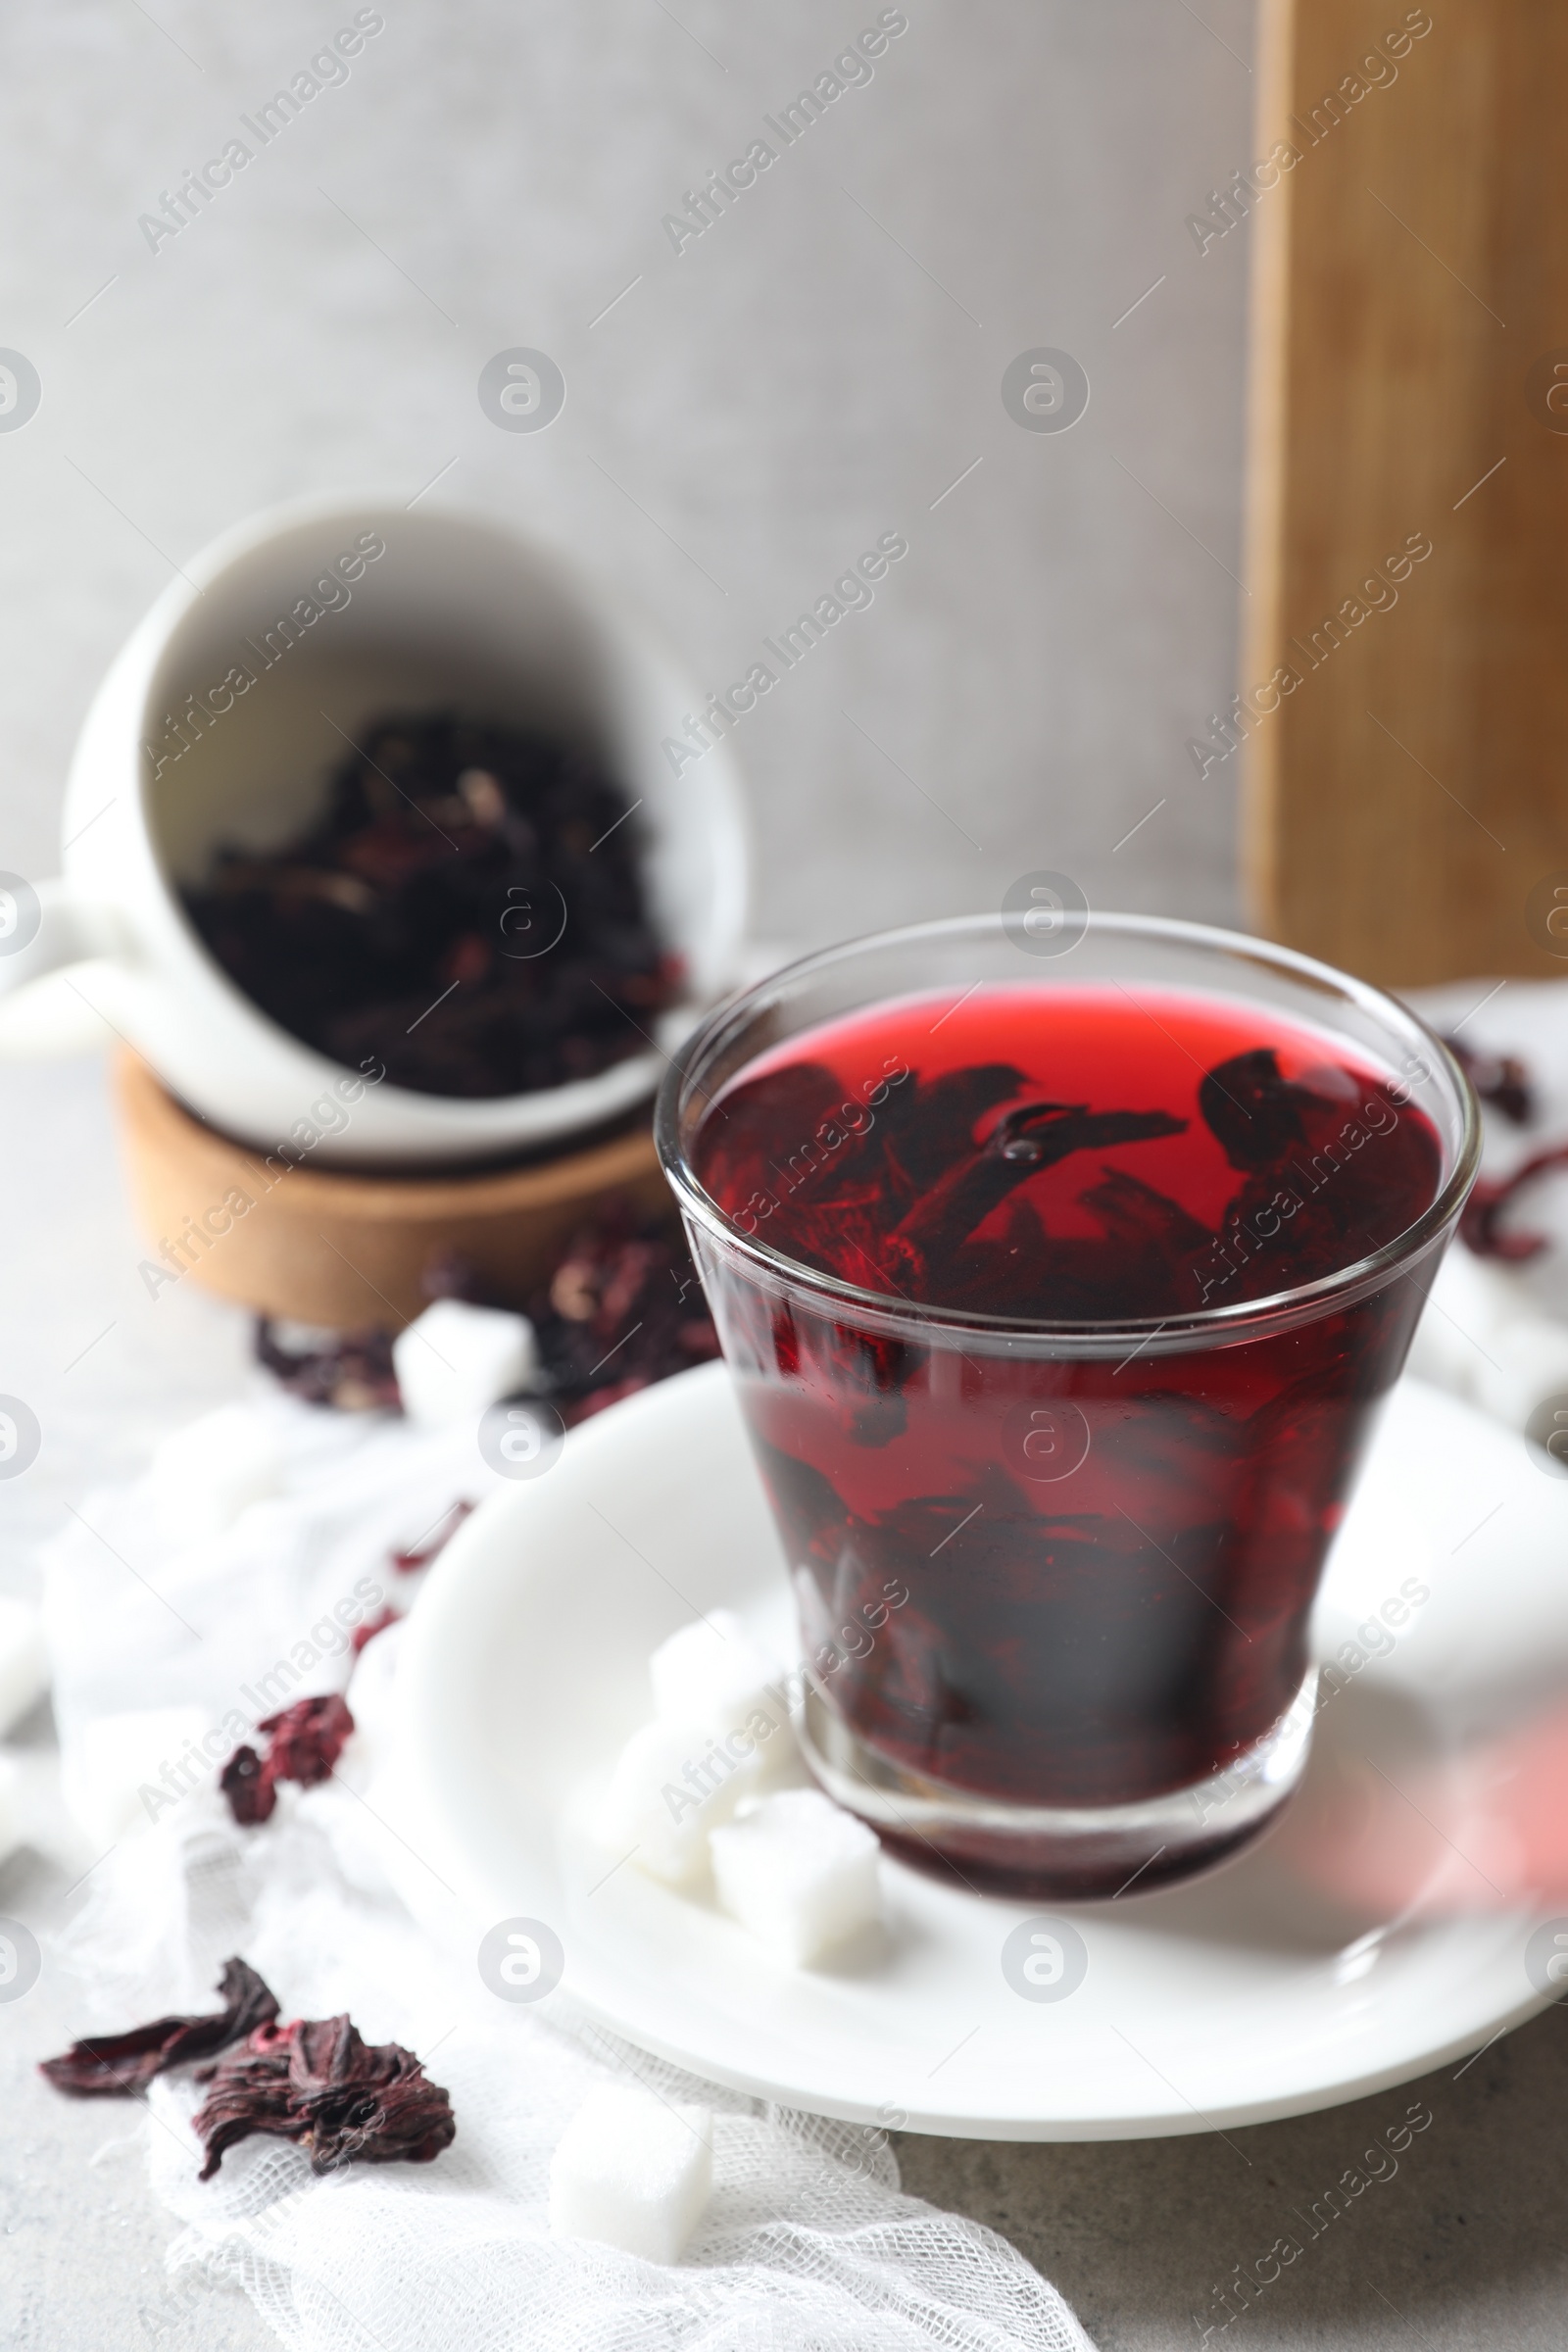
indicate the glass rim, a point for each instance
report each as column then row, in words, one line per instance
column 1203, row 1326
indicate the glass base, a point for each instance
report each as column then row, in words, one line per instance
column 1074, row 1853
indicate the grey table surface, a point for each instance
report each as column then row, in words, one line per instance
column 1466, row 2244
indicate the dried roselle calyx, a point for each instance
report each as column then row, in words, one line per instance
column 1154, row 1244
column 1320, row 1163
column 1480, row 1220
column 1023, row 1142
column 849, row 1236
column 799, row 1100
column 471, row 909
column 623, row 1310
column 451, row 1275
column 1251, row 1109
column 303, row 1742
column 111, row 2066
column 373, row 1625
column 862, row 1372
column 352, row 1370
column 930, row 1123
column 307, row 1738
column 249, row 2094
column 1501, row 1079
column 250, row 1787
column 364, row 2105
column 343, row 2099
column 420, row 1555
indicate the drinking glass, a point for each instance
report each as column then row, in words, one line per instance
column 1054, row 1575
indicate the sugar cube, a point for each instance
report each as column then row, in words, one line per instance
column 13, row 1810
column 632, row 2172
column 798, row 1872
column 1468, row 1302
column 1484, row 1339
column 673, row 1783
column 34, row 1812
column 114, row 1772
column 1528, row 1366
column 294, row 1338
column 369, row 1694
column 456, row 1359
column 24, row 1661
column 713, row 1671
column 210, row 1471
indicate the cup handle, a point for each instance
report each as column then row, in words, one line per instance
column 44, row 926
column 47, row 927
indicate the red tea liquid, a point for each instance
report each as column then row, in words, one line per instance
column 1110, row 1560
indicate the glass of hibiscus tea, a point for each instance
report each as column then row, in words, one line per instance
column 1062, row 1268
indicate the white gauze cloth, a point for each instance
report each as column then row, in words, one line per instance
column 807, row 2244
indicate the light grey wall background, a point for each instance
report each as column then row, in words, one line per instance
column 813, row 371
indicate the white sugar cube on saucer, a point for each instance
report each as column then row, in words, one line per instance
column 672, row 1784
column 124, row 1770
column 455, row 1360
column 24, row 1661
column 633, row 2171
column 213, row 1469
column 713, row 1671
column 1483, row 1338
column 799, row 1873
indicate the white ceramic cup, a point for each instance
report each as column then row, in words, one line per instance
column 221, row 721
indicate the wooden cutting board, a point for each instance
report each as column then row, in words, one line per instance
column 1405, row 803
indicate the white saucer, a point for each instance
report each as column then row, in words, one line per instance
column 1378, row 1929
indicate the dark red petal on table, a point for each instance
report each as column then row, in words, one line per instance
column 249, row 1785
column 117, row 2064
column 354, row 1373
column 440, row 1536
column 344, row 2100
column 1499, row 1079
column 303, row 1742
column 1480, row 1219
column 307, row 1738
column 371, row 1627
column 249, row 2094
column 620, row 1308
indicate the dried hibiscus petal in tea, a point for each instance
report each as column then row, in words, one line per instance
column 344, row 2100
column 111, row 2066
column 944, row 1187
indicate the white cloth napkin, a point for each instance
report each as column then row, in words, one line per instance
column 808, row 2245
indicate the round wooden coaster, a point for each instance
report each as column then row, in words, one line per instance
column 348, row 1251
